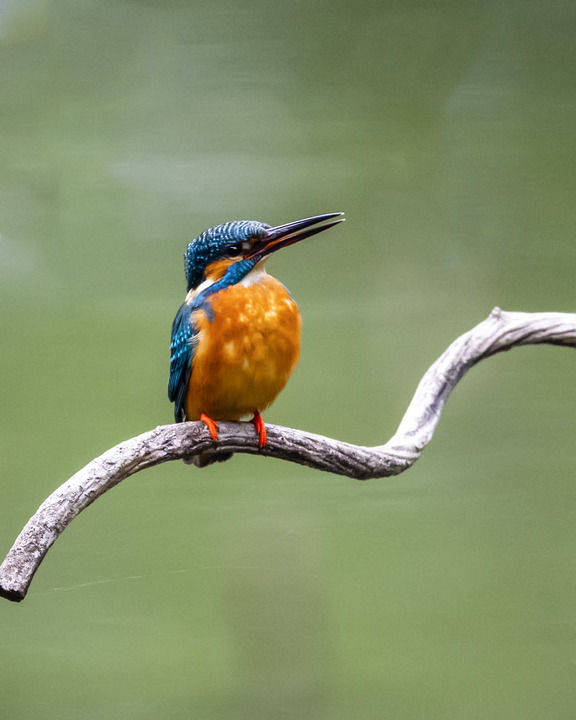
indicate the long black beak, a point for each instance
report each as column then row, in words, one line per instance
column 290, row 233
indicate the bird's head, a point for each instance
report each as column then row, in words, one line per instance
column 234, row 248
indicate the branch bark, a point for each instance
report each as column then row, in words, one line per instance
column 500, row 331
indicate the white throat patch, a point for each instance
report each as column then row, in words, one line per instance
column 256, row 275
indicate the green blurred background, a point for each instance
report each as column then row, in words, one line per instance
column 259, row 589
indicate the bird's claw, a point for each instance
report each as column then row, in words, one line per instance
column 211, row 425
column 260, row 428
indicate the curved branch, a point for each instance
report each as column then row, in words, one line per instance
column 500, row 331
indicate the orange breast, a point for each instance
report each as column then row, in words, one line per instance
column 246, row 353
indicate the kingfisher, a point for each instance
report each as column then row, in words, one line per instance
column 236, row 338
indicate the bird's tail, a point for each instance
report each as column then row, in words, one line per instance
column 207, row 458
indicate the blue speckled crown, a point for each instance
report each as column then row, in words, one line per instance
column 212, row 243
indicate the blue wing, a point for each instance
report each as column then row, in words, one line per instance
column 182, row 348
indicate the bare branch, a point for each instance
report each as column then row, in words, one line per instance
column 500, row 331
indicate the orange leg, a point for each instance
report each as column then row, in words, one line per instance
column 211, row 425
column 260, row 428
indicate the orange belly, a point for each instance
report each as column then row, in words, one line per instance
column 246, row 353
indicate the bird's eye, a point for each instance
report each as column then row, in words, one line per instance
column 234, row 249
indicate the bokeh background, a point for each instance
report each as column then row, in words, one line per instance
column 258, row 589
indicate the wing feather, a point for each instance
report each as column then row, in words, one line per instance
column 182, row 348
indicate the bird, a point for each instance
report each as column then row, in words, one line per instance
column 236, row 338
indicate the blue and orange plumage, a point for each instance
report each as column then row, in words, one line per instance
column 236, row 338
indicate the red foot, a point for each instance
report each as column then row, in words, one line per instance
column 260, row 428
column 211, row 425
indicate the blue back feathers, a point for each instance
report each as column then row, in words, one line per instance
column 212, row 243
column 182, row 347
